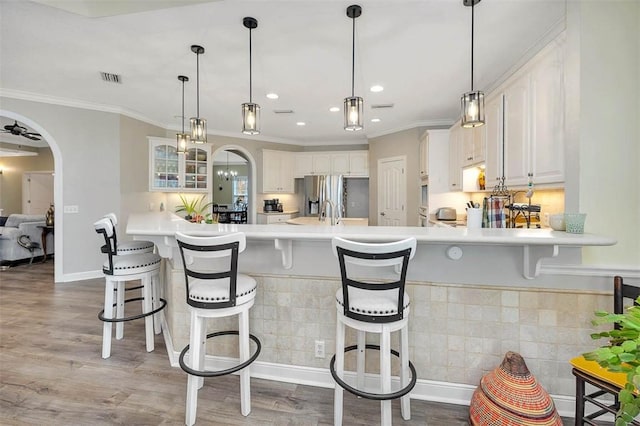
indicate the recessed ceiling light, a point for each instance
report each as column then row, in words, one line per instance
column 272, row 95
column 301, row 123
column 375, row 120
column 334, row 109
column 377, row 88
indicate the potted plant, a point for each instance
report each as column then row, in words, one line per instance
column 195, row 208
column 621, row 355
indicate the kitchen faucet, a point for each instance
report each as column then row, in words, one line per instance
column 323, row 211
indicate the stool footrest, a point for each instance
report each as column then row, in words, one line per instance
column 230, row 370
column 132, row 317
column 369, row 395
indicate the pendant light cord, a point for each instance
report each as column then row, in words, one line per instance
column 250, row 73
column 182, row 117
column 473, row 3
column 353, row 55
column 198, row 85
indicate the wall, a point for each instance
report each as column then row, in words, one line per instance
column 397, row 144
column 11, row 177
column 609, row 131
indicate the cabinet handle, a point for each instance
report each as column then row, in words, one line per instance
column 469, row 158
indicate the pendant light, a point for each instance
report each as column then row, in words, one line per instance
column 472, row 101
column 227, row 174
column 183, row 138
column 250, row 111
column 353, row 105
column 198, row 125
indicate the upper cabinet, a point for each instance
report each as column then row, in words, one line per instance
column 173, row 172
column 455, row 170
column 472, row 146
column 277, row 172
column 424, row 157
column 347, row 163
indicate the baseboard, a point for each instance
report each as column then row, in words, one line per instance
column 80, row 276
column 425, row 390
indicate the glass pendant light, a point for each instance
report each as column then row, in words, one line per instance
column 353, row 105
column 473, row 101
column 250, row 111
column 198, row 125
column 183, row 138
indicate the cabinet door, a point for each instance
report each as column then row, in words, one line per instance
column 359, row 163
column 424, row 157
column 277, row 171
column 164, row 167
column 493, row 135
column 479, row 143
column 286, row 172
column 466, row 146
column 340, row 163
column 547, row 126
column 321, row 164
column 303, row 164
column 195, row 168
column 455, row 167
column 516, row 142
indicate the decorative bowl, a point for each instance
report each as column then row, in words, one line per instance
column 556, row 222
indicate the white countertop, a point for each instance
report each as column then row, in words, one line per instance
column 167, row 223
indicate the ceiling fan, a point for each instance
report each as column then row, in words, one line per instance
column 18, row 130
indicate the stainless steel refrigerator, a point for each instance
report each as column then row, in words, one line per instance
column 318, row 189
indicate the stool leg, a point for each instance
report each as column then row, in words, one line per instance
column 385, row 374
column 245, row 377
column 108, row 313
column 120, row 290
column 148, row 320
column 203, row 349
column 155, row 285
column 579, row 416
column 339, row 366
column 405, row 401
column 361, row 358
column 195, row 348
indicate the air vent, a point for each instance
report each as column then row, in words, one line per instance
column 111, row 78
column 381, row 106
column 283, row 111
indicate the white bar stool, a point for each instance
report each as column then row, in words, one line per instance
column 377, row 306
column 123, row 248
column 117, row 271
column 215, row 289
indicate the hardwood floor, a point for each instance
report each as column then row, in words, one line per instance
column 51, row 371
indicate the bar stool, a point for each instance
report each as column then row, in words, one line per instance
column 127, row 247
column 381, row 307
column 117, row 271
column 123, row 248
column 215, row 289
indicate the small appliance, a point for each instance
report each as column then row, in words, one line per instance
column 446, row 213
column 271, row 205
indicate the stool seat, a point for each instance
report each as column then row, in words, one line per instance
column 205, row 291
column 126, row 247
column 131, row 264
column 380, row 303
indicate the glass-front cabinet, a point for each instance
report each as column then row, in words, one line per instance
column 171, row 172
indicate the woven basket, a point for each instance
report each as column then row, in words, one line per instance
column 510, row 395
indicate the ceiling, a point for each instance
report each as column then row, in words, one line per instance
column 419, row 51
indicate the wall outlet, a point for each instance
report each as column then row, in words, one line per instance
column 71, row 209
column 319, row 349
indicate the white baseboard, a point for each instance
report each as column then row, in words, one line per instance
column 425, row 390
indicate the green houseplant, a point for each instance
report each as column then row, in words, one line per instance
column 621, row 355
column 194, row 208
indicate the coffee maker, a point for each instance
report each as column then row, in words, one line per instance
column 272, row 205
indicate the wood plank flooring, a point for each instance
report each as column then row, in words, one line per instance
column 51, row 371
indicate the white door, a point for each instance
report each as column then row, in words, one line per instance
column 37, row 192
column 392, row 191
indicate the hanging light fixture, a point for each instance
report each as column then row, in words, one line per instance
column 183, row 138
column 227, row 174
column 250, row 111
column 198, row 125
column 353, row 105
column 473, row 101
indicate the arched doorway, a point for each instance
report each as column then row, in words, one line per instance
column 57, row 185
column 243, row 153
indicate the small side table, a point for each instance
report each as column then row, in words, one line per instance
column 45, row 231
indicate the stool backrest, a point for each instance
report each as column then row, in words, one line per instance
column 623, row 291
column 374, row 255
column 114, row 221
column 105, row 227
column 214, row 259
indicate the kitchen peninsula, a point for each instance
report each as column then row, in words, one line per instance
column 474, row 295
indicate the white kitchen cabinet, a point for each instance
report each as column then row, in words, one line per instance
column 359, row 163
column 516, row 131
column 321, row 164
column 277, row 172
column 340, row 163
column 493, row 135
column 173, row 172
column 303, row 164
column 472, row 145
column 455, row 169
column 424, row 157
column 275, row 218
